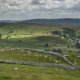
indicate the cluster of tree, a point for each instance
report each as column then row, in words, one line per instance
column 69, row 32
column 57, row 50
column 56, row 32
column 77, row 45
column 8, row 35
column 66, row 32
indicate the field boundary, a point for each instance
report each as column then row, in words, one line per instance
column 69, row 65
column 39, row 64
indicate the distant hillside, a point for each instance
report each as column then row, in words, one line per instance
column 54, row 21
column 65, row 21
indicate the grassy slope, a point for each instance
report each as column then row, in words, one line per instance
column 8, row 72
column 33, row 36
column 22, row 55
column 26, row 55
column 25, row 72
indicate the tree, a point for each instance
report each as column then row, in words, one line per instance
column 77, row 45
column 20, row 41
column 57, row 50
column 0, row 35
column 56, row 32
column 46, row 45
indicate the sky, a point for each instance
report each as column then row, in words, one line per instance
column 32, row 9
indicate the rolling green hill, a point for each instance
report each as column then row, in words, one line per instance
column 58, row 44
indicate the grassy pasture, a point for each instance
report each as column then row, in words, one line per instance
column 34, row 42
column 26, row 55
column 35, row 36
column 24, row 72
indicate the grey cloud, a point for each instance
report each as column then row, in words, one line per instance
column 38, row 8
column 37, row 2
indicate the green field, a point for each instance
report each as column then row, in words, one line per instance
column 8, row 72
column 38, row 37
column 31, row 36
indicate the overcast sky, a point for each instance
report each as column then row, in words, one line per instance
column 29, row 9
